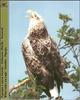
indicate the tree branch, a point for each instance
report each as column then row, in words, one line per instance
column 64, row 46
column 18, row 85
column 76, row 57
column 59, row 42
column 67, row 52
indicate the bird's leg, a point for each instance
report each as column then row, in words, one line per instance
column 59, row 98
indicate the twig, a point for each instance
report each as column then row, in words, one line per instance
column 76, row 57
column 18, row 85
column 64, row 46
column 59, row 42
column 67, row 52
column 78, row 53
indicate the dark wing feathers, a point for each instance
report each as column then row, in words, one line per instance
column 36, row 67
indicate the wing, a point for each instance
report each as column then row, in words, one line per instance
column 47, row 52
column 36, row 67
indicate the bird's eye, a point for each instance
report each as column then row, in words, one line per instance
column 36, row 16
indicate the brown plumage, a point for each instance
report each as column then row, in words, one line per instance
column 41, row 55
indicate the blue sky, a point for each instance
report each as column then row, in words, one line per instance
column 18, row 25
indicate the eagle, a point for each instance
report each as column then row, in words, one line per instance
column 42, row 57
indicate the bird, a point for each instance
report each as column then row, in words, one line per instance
column 42, row 57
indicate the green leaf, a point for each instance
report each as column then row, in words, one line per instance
column 65, row 18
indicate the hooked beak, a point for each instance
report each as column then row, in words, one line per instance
column 29, row 14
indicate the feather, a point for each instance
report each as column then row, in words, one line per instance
column 41, row 55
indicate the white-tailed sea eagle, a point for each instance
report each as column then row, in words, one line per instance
column 42, row 57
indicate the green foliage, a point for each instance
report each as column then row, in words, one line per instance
column 64, row 18
column 28, row 91
column 71, row 39
column 76, row 78
column 70, row 35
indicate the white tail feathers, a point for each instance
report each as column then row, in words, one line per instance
column 54, row 92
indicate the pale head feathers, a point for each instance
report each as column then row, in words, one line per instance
column 35, row 20
column 34, row 15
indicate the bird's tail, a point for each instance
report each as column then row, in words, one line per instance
column 54, row 92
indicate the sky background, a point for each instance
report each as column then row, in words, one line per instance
column 18, row 25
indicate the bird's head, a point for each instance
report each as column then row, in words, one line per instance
column 35, row 23
column 33, row 15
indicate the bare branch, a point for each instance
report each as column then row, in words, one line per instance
column 59, row 42
column 75, row 55
column 19, row 84
column 67, row 52
column 64, row 46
